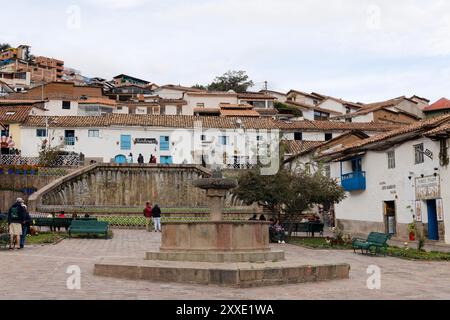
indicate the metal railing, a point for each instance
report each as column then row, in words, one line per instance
column 60, row 161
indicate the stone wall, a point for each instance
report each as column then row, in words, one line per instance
column 12, row 186
column 114, row 185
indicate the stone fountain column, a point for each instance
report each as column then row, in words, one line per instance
column 215, row 200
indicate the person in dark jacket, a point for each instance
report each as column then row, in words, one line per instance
column 26, row 226
column 262, row 217
column 156, row 215
column 254, row 218
column 16, row 218
column 141, row 159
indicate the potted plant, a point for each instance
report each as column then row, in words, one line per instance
column 412, row 231
column 10, row 170
column 33, row 170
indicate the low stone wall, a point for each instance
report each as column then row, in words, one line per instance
column 363, row 228
column 12, row 186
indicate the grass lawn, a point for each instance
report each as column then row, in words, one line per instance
column 403, row 253
column 317, row 243
column 45, row 238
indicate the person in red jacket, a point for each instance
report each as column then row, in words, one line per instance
column 148, row 214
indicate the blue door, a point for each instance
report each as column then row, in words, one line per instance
column 433, row 229
column 166, row 160
column 125, row 142
column 120, row 159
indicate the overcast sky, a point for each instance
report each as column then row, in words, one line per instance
column 353, row 49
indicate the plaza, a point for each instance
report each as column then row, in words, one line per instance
column 43, row 268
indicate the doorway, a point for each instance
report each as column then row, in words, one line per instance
column 433, row 226
column 390, row 220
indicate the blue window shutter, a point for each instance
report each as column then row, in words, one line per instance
column 125, row 142
column 164, row 143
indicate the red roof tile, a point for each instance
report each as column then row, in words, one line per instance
column 441, row 104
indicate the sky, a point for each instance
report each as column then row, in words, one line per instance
column 359, row 50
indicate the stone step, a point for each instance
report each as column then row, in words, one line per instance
column 217, row 256
column 240, row 275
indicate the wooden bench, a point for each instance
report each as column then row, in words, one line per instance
column 373, row 244
column 89, row 227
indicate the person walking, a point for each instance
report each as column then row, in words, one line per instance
column 16, row 218
column 148, row 215
column 141, row 159
column 26, row 227
column 130, row 158
column 156, row 214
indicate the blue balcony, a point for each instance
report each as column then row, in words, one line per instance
column 354, row 181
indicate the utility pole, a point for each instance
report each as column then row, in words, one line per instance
column 265, row 85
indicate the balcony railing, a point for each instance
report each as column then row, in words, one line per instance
column 69, row 141
column 354, row 181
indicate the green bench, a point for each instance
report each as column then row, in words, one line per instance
column 374, row 243
column 53, row 223
column 88, row 227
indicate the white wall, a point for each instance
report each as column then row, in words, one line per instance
column 367, row 205
column 333, row 105
column 54, row 108
column 183, row 142
column 167, row 93
column 210, row 101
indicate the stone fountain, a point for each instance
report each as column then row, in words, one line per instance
column 219, row 252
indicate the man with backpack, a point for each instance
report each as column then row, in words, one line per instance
column 16, row 218
column 156, row 214
column 148, row 215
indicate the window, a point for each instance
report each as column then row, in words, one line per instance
column 320, row 116
column 164, row 143
column 348, row 110
column 179, row 110
column 224, row 140
column 41, row 133
column 66, row 105
column 418, row 153
column 69, row 137
column 259, row 138
column 328, row 136
column 125, row 142
column 298, row 136
column 356, row 165
column 327, row 171
column 93, row 133
column 200, row 105
column 203, row 137
column 391, row 159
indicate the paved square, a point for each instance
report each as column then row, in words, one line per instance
column 39, row 272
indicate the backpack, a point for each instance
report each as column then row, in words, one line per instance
column 14, row 213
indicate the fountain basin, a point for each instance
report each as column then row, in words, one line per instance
column 224, row 236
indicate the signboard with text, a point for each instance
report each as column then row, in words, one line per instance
column 428, row 188
column 145, row 141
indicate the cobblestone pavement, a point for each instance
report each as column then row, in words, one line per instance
column 39, row 272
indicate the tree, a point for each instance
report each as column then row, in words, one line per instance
column 285, row 108
column 237, row 81
column 199, row 86
column 288, row 193
column 4, row 46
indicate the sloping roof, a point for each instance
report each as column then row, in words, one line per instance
column 420, row 126
column 14, row 114
column 441, row 104
column 180, row 88
column 130, row 77
column 6, row 86
column 334, row 125
column 343, row 102
column 255, row 95
column 104, row 101
column 315, row 108
column 311, row 95
column 239, row 113
column 150, row 121
column 297, row 147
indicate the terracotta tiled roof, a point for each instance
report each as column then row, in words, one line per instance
column 212, row 93
column 207, row 110
column 296, row 147
column 14, row 114
column 311, row 95
column 441, row 104
column 343, row 102
column 253, row 95
column 104, row 101
column 235, row 106
column 420, row 126
column 180, row 88
column 20, row 102
column 266, row 112
column 150, row 121
column 239, row 113
column 334, row 125
column 315, row 108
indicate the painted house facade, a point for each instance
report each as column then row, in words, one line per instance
column 395, row 179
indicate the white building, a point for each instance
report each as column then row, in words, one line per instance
column 395, row 179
